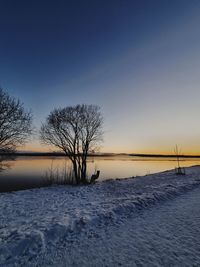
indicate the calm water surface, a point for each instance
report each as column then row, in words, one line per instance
column 27, row 172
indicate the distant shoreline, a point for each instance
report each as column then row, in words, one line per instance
column 60, row 154
column 163, row 156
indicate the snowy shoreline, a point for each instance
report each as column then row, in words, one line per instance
column 37, row 221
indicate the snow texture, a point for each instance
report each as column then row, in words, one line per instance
column 152, row 220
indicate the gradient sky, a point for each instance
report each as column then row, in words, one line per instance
column 138, row 60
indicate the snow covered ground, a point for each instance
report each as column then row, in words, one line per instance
column 146, row 221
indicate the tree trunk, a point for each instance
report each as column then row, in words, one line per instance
column 84, row 171
column 76, row 175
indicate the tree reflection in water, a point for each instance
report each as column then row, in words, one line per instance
column 6, row 162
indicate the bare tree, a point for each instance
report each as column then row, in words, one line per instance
column 177, row 153
column 15, row 123
column 75, row 130
column 179, row 169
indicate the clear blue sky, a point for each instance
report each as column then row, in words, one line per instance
column 138, row 60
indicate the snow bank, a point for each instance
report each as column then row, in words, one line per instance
column 35, row 221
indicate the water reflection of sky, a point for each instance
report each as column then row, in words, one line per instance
column 110, row 167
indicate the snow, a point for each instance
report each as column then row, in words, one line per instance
column 152, row 220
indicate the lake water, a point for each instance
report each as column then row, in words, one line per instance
column 27, row 172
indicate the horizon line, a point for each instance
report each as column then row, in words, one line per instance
column 18, row 153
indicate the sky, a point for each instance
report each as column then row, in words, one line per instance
column 138, row 60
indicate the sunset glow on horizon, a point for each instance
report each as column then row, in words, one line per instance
column 138, row 60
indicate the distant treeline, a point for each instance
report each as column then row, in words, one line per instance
column 164, row 156
column 60, row 154
column 55, row 154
